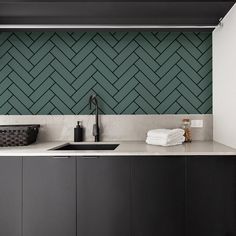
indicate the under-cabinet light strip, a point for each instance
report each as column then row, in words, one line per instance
column 48, row 26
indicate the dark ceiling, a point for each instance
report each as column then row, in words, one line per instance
column 114, row 12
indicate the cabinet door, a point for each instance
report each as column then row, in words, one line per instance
column 211, row 196
column 10, row 196
column 49, row 196
column 158, row 196
column 103, row 197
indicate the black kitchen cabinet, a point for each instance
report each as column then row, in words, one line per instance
column 49, row 196
column 118, row 196
column 10, row 196
column 103, row 196
column 211, row 199
column 158, row 196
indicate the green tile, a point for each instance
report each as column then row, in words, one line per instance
column 131, row 72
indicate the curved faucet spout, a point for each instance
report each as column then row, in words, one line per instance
column 93, row 100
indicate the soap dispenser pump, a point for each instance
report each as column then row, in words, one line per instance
column 78, row 132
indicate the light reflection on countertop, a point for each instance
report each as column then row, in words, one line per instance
column 126, row 148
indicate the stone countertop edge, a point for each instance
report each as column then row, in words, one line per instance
column 126, row 148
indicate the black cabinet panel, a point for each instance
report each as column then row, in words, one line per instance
column 103, row 196
column 158, row 196
column 211, row 196
column 118, row 196
column 10, row 196
column 49, row 196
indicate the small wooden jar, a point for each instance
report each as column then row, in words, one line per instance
column 186, row 124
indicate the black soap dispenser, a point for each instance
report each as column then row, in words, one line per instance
column 78, row 132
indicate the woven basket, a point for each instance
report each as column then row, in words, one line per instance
column 18, row 135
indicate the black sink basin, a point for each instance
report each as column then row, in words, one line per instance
column 87, row 147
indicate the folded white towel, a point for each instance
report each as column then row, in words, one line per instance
column 163, row 142
column 168, row 139
column 165, row 137
column 165, row 133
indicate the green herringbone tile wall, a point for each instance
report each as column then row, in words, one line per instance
column 132, row 73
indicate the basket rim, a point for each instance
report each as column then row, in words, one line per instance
column 19, row 125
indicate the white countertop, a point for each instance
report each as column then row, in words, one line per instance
column 126, row 148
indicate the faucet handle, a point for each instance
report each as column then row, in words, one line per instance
column 90, row 102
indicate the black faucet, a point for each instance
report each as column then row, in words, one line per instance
column 93, row 99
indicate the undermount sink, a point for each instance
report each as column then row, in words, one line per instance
column 75, row 146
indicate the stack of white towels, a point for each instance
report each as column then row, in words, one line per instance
column 165, row 137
